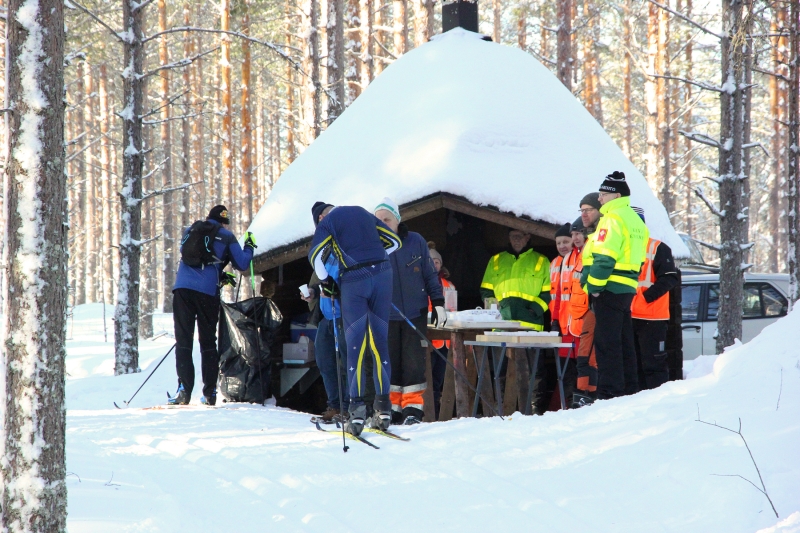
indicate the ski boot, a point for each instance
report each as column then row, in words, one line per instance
column 412, row 415
column 209, row 400
column 181, row 397
column 355, row 424
column 382, row 418
column 581, row 400
column 411, row 420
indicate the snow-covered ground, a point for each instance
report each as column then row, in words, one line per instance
column 637, row 464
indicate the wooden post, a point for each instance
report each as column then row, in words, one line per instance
column 459, row 362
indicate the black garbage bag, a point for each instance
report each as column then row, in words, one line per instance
column 244, row 369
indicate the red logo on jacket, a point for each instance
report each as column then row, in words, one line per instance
column 601, row 236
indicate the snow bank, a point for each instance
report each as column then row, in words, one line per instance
column 634, row 464
column 464, row 116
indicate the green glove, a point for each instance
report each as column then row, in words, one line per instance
column 227, row 278
column 250, row 240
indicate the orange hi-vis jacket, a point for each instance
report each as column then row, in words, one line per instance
column 658, row 309
column 561, row 271
column 579, row 300
column 446, row 285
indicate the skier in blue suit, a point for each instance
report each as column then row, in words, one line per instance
column 361, row 244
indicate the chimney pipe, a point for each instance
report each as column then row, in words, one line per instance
column 460, row 14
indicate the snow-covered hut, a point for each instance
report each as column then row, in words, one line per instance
column 470, row 138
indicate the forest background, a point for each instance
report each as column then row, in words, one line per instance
column 234, row 91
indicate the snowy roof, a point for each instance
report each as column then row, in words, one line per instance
column 463, row 116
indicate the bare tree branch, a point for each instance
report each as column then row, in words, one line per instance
column 700, row 84
column 686, row 19
column 711, row 207
column 170, row 119
column 763, row 489
column 702, row 138
column 115, row 33
column 159, row 108
column 165, row 190
column 181, row 63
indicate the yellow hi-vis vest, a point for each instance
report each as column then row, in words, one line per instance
column 618, row 249
column 525, row 277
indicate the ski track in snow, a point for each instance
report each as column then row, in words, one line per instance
column 635, row 464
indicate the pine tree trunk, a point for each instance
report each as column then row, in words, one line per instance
column 777, row 106
column 227, row 108
column 400, row 26
column 651, row 99
column 663, row 111
column 627, row 146
column 126, row 322
column 311, row 83
column 367, row 44
column 564, row 43
column 688, row 125
column 186, row 134
column 199, row 170
column 497, row 9
column 336, row 60
column 78, row 224
column 793, row 255
column 423, row 22
column 291, row 150
column 107, row 265
column 352, row 44
column 731, row 276
column 167, row 199
column 522, row 28
column 247, row 126
column 90, row 192
column 34, row 287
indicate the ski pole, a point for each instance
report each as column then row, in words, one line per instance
column 148, row 377
column 338, row 372
column 459, row 374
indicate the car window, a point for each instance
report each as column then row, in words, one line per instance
column 774, row 302
column 690, row 302
column 751, row 301
column 713, row 301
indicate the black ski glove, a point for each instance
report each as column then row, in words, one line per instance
column 250, row 240
column 227, row 278
column 329, row 287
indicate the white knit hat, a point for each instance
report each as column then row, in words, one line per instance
column 390, row 206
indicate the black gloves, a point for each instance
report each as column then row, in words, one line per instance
column 227, row 278
column 250, row 240
column 329, row 287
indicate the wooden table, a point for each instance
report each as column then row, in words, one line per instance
column 498, row 365
column 456, row 390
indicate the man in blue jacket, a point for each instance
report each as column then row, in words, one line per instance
column 360, row 242
column 415, row 280
column 208, row 246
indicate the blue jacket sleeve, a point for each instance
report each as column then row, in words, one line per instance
column 240, row 259
column 432, row 284
column 322, row 239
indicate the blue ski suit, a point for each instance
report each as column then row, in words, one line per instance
column 361, row 243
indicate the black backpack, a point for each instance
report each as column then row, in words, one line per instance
column 197, row 247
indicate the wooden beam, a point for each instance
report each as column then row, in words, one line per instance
column 542, row 229
column 292, row 252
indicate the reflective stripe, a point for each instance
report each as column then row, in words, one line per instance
column 564, row 297
column 486, row 285
column 360, row 361
column 596, row 282
column 622, row 280
column 413, row 388
column 377, row 357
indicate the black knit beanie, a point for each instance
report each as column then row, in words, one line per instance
column 317, row 210
column 592, row 199
column 220, row 214
column 564, row 231
column 615, row 183
column 577, row 225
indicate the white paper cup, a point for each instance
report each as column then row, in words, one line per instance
column 304, row 290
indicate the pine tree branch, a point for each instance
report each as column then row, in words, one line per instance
column 170, row 119
column 164, row 190
column 700, row 84
column 711, row 207
column 181, row 63
column 708, row 245
column 159, row 108
column 702, row 138
column 72, row 4
column 686, row 19
column 138, row 7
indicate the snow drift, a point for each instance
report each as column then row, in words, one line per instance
column 464, row 116
column 641, row 463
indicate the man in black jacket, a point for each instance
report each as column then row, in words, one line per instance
column 415, row 280
column 650, row 312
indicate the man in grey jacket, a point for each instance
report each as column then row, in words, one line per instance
column 415, row 280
